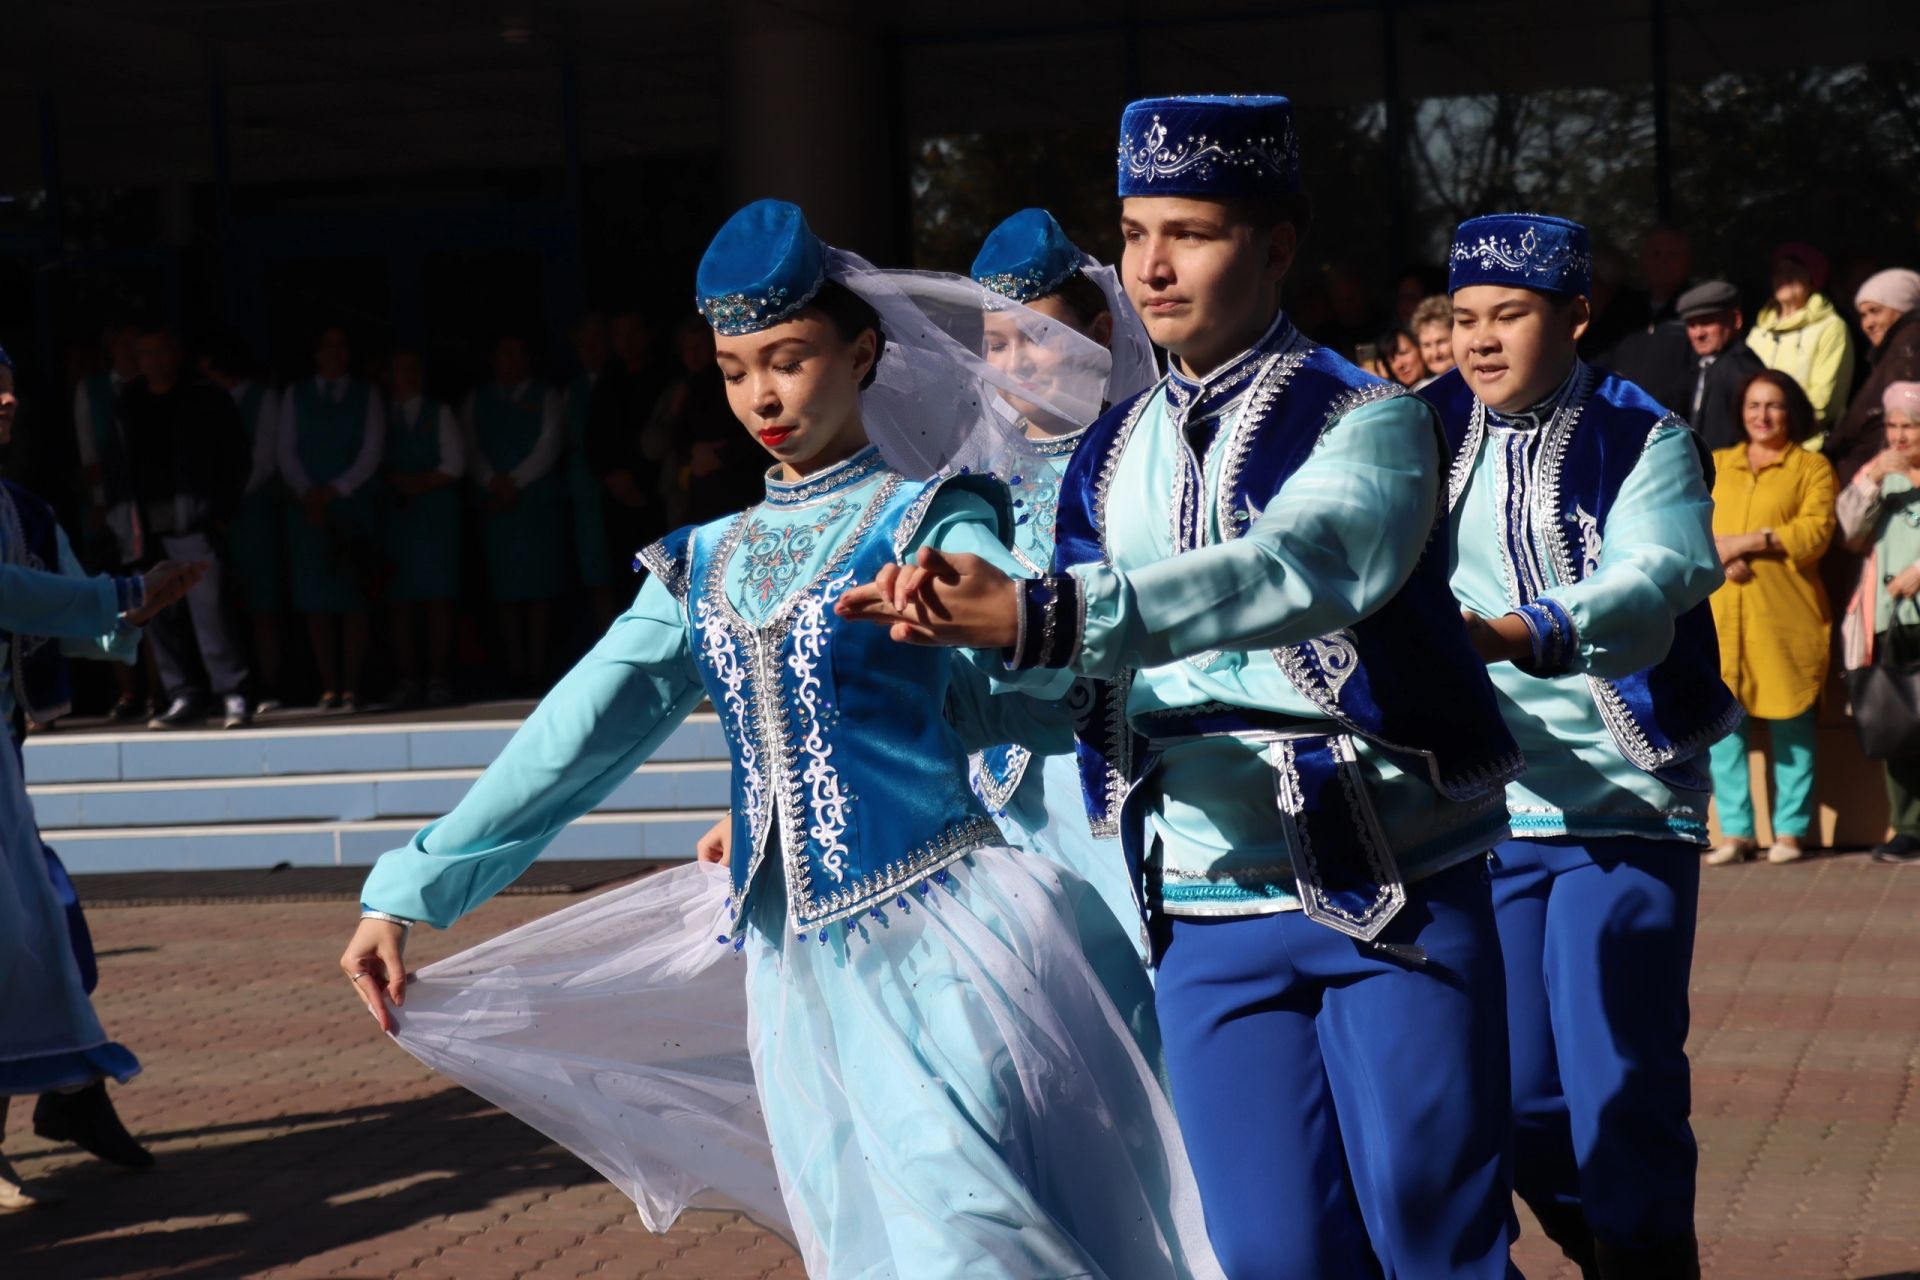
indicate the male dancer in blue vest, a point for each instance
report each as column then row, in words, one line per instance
column 1293, row 735
column 1583, row 557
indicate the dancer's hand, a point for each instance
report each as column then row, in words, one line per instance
column 375, row 964
column 165, row 583
column 717, row 845
column 1502, row 639
column 940, row 599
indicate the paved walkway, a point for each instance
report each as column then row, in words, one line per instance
column 294, row 1142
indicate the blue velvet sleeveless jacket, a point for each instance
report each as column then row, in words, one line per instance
column 1666, row 715
column 1405, row 678
column 842, row 763
column 29, row 536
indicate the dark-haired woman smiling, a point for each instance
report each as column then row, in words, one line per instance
column 1772, row 520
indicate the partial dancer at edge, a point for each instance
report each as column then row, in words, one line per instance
column 51, row 1041
column 877, row 1031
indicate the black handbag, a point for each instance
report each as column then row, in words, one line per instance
column 1886, row 702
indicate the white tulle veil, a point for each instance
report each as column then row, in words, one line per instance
column 936, row 403
column 1134, row 366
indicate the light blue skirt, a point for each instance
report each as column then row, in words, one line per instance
column 50, row 1037
column 944, row 1089
column 1047, row 815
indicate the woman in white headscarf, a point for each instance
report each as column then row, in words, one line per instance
column 1888, row 304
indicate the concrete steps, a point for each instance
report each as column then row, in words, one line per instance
column 335, row 795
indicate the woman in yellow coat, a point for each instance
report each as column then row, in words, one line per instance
column 1772, row 519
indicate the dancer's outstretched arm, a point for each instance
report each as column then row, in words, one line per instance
column 35, row 602
column 587, row 736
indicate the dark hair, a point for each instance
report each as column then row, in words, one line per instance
column 1268, row 212
column 1083, row 298
column 851, row 315
column 1799, row 408
column 1389, row 340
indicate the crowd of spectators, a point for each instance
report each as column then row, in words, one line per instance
column 390, row 539
column 471, row 543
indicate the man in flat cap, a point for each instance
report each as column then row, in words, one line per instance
column 1721, row 362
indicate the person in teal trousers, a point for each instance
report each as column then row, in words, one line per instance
column 420, row 524
column 257, row 539
column 589, row 522
column 105, row 538
column 332, row 432
column 514, row 437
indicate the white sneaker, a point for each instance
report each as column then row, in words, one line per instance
column 1785, row 849
column 1731, row 850
column 237, row 714
column 16, row 1193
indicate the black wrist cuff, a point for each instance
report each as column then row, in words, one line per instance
column 1051, row 622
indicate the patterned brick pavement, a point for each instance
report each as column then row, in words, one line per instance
column 293, row 1142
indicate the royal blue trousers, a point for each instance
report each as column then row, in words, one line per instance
column 1597, row 938
column 1345, row 1110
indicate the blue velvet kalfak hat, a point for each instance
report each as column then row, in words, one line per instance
column 763, row 266
column 1521, row 250
column 1026, row 257
column 1213, row 146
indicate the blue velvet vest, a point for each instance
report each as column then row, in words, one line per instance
column 1405, row 678
column 1661, row 718
column 842, row 764
column 29, row 536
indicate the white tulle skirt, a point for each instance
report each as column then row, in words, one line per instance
column 940, row 1089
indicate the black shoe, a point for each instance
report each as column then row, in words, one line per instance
column 1566, row 1226
column 87, row 1119
column 129, row 709
column 1675, row 1259
column 185, row 713
column 1899, row 851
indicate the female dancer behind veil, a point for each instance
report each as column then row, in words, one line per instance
column 877, row 1030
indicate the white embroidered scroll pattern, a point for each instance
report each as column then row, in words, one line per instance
column 825, row 797
column 723, row 655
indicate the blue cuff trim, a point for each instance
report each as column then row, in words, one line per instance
column 129, row 593
column 1550, row 631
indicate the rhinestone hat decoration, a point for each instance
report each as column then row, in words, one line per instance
column 1521, row 250
column 763, row 266
column 1211, row 146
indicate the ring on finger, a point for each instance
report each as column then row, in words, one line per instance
column 355, row 977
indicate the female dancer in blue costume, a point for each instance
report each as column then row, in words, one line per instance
column 51, row 1042
column 1028, row 262
column 897, row 1053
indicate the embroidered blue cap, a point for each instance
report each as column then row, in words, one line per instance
column 1524, row 250
column 763, row 266
column 1026, row 257
column 1215, row 146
